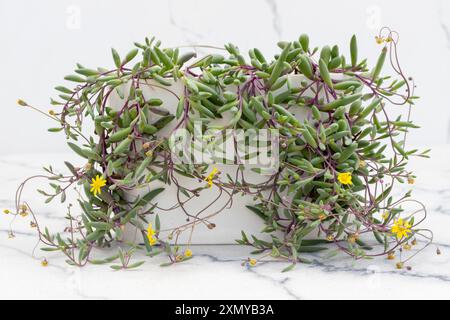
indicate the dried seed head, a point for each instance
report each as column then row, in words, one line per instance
column 352, row 238
column 22, row 103
column 391, row 256
column 44, row 263
column 211, row 226
column 438, row 251
column 399, row 265
column 149, row 154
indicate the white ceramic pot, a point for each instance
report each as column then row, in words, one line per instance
column 229, row 222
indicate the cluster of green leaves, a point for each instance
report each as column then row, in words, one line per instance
column 348, row 130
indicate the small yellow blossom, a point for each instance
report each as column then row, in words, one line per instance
column 379, row 40
column 97, row 184
column 322, row 217
column 6, row 211
column 362, row 164
column 401, row 228
column 179, row 258
column 151, row 235
column 330, row 238
column 188, row 253
column 352, row 238
column 23, row 214
column 44, row 263
column 407, row 247
column 211, row 177
column 411, row 180
column 51, row 112
column 385, row 215
column 391, row 256
column 399, row 265
column 252, row 262
column 389, row 39
column 150, row 231
column 153, row 241
column 345, row 178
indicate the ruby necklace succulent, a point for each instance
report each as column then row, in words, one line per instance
column 337, row 168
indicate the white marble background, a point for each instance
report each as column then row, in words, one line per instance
column 42, row 40
column 215, row 272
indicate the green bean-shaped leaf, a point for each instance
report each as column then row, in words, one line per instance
column 325, row 73
column 354, row 51
column 279, row 65
column 380, row 63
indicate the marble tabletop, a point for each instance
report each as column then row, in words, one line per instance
column 216, row 271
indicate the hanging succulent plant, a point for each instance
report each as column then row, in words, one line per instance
column 337, row 165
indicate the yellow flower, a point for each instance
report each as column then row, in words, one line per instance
column 153, row 241
column 391, row 256
column 362, row 164
column 150, row 231
column 345, row 178
column 6, row 211
column 379, row 40
column 151, row 235
column 97, row 184
column 385, row 215
column 252, row 262
column 330, row 238
column 352, row 238
column 44, row 263
column 389, row 39
column 399, row 265
column 23, row 214
column 401, row 228
column 211, row 176
column 51, row 112
column 411, row 180
column 407, row 247
column 188, row 253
